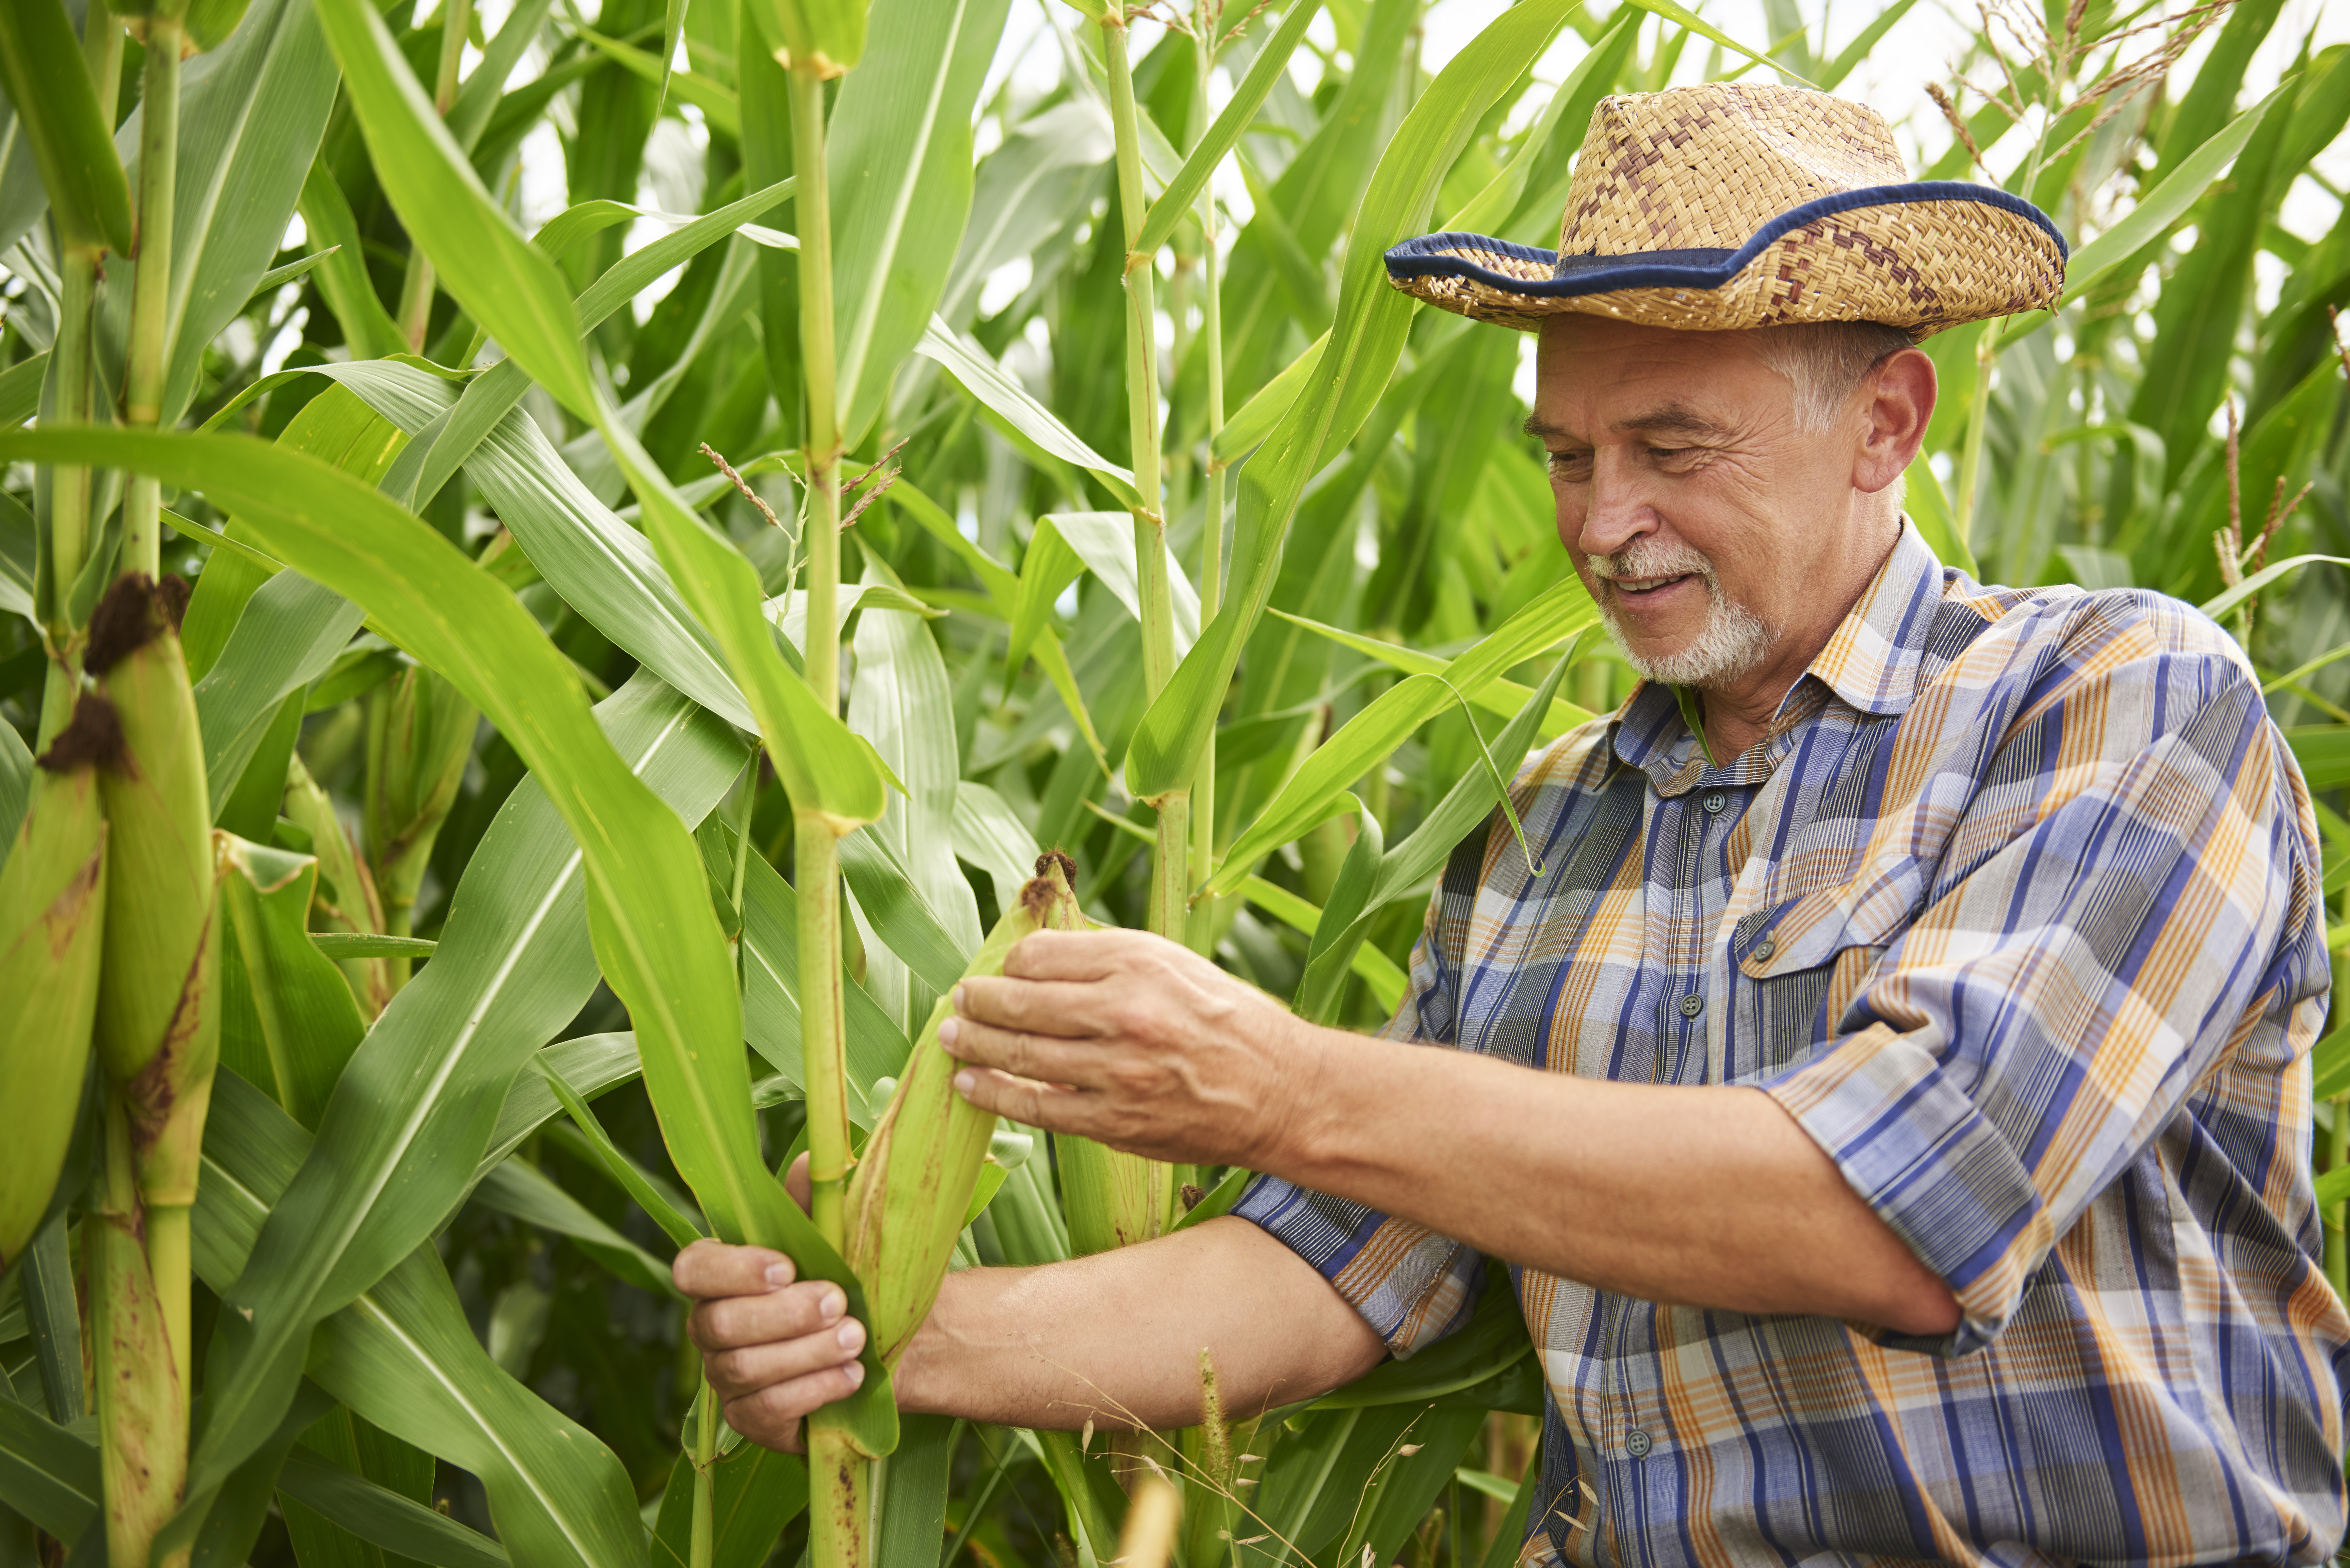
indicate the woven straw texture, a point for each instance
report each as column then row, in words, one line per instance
column 1707, row 169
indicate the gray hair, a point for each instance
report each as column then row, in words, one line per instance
column 1826, row 361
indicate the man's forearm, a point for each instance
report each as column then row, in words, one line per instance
column 1115, row 1338
column 1707, row 1197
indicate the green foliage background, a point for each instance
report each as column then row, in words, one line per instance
column 498, row 1334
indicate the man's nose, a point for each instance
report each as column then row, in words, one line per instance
column 1617, row 507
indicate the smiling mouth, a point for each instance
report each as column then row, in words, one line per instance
column 1638, row 586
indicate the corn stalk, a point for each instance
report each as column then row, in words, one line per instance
column 840, row 1520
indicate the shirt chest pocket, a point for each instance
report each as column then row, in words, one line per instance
column 1800, row 963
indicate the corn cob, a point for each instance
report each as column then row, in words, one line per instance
column 157, row 1028
column 908, row 1197
column 142, row 1407
column 52, row 928
column 158, row 1007
column 420, row 733
column 346, row 898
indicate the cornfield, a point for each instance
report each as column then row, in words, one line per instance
column 512, row 731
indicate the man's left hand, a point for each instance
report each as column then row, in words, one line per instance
column 1132, row 1041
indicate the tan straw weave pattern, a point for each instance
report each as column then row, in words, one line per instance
column 1706, row 169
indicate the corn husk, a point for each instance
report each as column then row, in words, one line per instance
column 142, row 1410
column 345, row 900
column 907, row 1198
column 420, row 734
column 158, row 1025
column 52, row 930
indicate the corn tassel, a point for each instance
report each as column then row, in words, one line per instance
column 52, row 930
column 420, row 733
column 907, row 1198
column 159, row 1007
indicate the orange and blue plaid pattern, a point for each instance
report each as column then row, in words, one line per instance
column 2016, row 909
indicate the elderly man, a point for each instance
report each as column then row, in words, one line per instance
column 1889, row 1095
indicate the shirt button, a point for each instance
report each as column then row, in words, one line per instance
column 1636, row 1444
column 1715, row 800
column 1765, row 948
column 1691, row 1006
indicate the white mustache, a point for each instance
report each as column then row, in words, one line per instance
column 1645, row 560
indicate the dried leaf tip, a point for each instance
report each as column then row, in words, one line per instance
column 91, row 738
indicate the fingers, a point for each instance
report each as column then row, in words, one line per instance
column 1026, row 1055
column 749, row 1368
column 1077, row 955
column 735, row 1322
column 1047, row 1105
column 771, row 1416
column 709, row 1269
column 797, row 1184
column 1071, row 1010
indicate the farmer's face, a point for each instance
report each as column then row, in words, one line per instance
column 1702, row 520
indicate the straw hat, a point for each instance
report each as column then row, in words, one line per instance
column 1732, row 205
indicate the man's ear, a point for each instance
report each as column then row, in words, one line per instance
column 1898, row 399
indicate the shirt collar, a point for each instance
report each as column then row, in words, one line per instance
column 1871, row 661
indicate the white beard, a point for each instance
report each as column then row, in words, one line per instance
column 1733, row 640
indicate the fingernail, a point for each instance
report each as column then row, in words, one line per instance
column 851, row 1336
column 856, row 1370
column 958, row 998
column 947, row 1032
column 835, row 1304
column 779, row 1274
column 965, row 1082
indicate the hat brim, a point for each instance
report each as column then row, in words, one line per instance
column 1920, row 256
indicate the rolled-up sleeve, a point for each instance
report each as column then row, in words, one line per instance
column 1410, row 1284
column 2051, row 1008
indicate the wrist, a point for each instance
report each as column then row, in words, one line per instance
column 1297, row 1129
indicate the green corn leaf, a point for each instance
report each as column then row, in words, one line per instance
column 657, row 938
column 1504, row 194
column 535, row 1198
column 343, row 277
column 590, row 1063
column 339, row 945
column 827, row 771
column 309, row 1022
column 20, row 390
column 681, row 1230
column 1929, row 509
column 754, row 1492
column 1682, row 16
column 1174, row 203
column 718, row 105
column 249, row 128
column 402, row 1356
column 1256, row 418
column 2218, row 607
column 47, row 1473
column 56, row 109
column 1384, row 725
column 1495, row 696
column 1026, row 422
column 2166, row 203
column 824, row 35
column 1863, row 43
column 899, row 915
column 876, row 1047
column 383, row 1517
column 898, row 148
column 1338, row 935
column 510, row 287
column 1365, row 344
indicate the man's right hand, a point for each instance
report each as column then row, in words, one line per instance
column 774, row 1346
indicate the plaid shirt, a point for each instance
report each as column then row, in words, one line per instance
column 2016, row 910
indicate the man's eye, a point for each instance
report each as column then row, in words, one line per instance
column 1570, row 464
